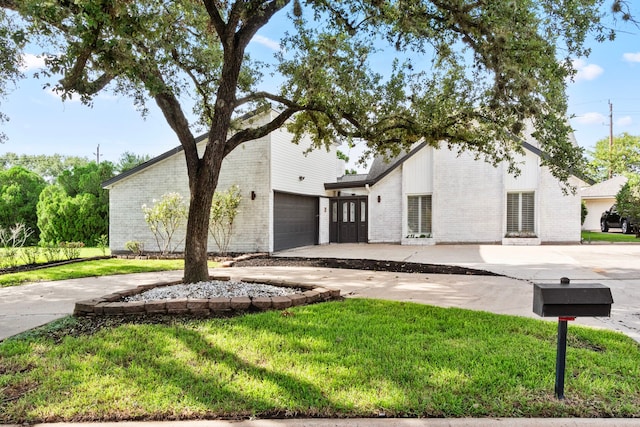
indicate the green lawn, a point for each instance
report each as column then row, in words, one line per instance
column 103, row 267
column 596, row 236
column 356, row 358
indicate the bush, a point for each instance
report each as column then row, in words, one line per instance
column 71, row 250
column 82, row 218
column 164, row 218
column 136, row 247
column 51, row 251
column 224, row 209
column 11, row 240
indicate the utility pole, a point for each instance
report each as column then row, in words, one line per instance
column 610, row 139
column 97, row 154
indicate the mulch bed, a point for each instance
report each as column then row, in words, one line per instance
column 360, row 264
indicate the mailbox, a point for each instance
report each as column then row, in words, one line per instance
column 568, row 302
column 576, row 300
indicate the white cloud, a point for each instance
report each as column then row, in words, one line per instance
column 624, row 121
column 265, row 41
column 591, row 119
column 586, row 71
column 631, row 57
column 30, row 62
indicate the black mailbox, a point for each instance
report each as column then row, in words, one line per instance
column 575, row 300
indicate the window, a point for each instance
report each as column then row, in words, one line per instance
column 419, row 214
column 520, row 212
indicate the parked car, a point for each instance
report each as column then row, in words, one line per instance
column 612, row 219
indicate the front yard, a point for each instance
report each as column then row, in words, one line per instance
column 356, row 358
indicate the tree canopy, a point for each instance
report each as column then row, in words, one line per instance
column 620, row 157
column 19, row 192
column 467, row 74
column 47, row 166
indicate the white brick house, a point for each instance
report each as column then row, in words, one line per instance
column 432, row 196
column 282, row 190
column 426, row 196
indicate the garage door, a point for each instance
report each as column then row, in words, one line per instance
column 295, row 221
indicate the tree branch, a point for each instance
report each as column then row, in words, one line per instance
column 255, row 133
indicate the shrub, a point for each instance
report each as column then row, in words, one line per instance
column 71, row 250
column 51, row 251
column 136, row 247
column 11, row 240
column 102, row 243
column 224, row 209
column 164, row 218
column 30, row 254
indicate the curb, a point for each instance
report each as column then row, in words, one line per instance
column 113, row 304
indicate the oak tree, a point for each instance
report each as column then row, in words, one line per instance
column 467, row 74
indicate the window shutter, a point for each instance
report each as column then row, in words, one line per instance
column 528, row 212
column 513, row 209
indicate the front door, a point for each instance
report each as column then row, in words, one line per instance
column 349, row 220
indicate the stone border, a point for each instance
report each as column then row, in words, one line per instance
column 112, row 304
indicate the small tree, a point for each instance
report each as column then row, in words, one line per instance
column 224, row 209
column 164, row 218
column 11, row 240
column 628, row 201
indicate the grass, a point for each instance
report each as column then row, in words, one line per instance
column 596, row 236
column 356, row 358
column 103, row 267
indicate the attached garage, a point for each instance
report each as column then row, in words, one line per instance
column 295, row 220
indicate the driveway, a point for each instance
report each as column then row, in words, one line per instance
column 613, row 265
column 28, row 306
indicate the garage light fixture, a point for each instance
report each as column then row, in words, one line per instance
column 253, row 195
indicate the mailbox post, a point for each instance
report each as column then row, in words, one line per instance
column 568, row 302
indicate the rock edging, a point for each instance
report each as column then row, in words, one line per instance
column 113, row 304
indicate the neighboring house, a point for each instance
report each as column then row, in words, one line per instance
column 426, row 196
column 282, row 191
column 599, row 198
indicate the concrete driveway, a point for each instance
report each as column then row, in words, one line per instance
column 613, row 265
column 617, row 266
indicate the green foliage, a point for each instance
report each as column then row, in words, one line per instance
column 136, row 247
column 12, row 42
column 47, row 166
column 224, row 209
column 51, row 251
column 164, row 218
column 30, row 254
column 77, row 208
column 82, row 218
column 628, row 199
column 102, row 243
column 583, row 212
column 71, row 250
column 19, row 193
column 130, row 160
column 620, row 158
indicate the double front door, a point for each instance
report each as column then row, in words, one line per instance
column 349, row 220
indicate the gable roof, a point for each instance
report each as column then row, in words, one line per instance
column 172, row 152
column 605, row 189
column 382, row 167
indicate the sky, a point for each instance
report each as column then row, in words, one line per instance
column 40, row 123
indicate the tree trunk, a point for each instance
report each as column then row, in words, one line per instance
column 202, row 187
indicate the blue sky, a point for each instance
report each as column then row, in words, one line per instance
column 40, row 123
